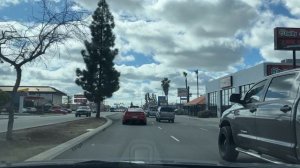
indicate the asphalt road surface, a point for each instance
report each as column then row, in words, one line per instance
column 192, row 140
column 29, row 121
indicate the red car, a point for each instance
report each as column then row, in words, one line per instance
column 134, row 115
column 58, row 109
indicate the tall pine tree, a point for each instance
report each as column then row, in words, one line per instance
column 100, row 79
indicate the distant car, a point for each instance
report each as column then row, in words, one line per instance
column 68, row 110
column 83, row 110
column 151, row 111
column 30, row 110
column 165, row 113
column 58, row 110
column 134, row 115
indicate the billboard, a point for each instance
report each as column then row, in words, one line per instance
column 273, row 69
column 79, row 96
column 286, row 38
column 161, row 100
column 226, row 82
column 80, row 101
column 182, row 92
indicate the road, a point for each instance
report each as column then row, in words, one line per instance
column 187, row 139
column 22, row 122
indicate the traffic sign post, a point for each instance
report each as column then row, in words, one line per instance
column 286, row 38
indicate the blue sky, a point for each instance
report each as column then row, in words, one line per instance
column 161, row 38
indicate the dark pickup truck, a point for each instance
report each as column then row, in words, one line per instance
column 265, row 122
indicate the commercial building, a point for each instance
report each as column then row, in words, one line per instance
column 218, row 91
column 194, row 106
column 37, row 95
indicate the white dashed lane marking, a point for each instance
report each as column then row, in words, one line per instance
column 159, row 127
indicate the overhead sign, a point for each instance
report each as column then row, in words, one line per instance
column 286, row 38
column 182, row 92
column 226, row 82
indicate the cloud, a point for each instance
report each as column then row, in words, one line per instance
column 261, row 35
column 127, row 58
column 5, row 3
column 293, row 6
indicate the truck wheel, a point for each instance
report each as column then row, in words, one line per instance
column 226, row 145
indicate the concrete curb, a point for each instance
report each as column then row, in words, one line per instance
column 54, row 152
column 196, row 118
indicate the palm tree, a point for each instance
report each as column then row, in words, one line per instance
column 185, row 74
column 165, row 84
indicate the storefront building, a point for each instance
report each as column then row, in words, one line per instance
column 218, row 91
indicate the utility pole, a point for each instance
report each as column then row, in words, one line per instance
column 188, row 94
column 294, row 59
column 197, row 83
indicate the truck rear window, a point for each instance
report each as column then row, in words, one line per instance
column 167, row 109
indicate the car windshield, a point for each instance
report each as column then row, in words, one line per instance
column 150, row 81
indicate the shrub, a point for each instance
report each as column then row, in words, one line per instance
column 205, row 114
column 180, row 112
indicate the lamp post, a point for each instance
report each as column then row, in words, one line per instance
column 38, row 97
column 197, row 83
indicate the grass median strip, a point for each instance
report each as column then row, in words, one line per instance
column 32, row 141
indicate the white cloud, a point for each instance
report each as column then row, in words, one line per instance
column 261, row 35
column 5, row 3
column 293, row 6
column 127, row 58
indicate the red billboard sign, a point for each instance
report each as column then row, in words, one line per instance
column 286, row 38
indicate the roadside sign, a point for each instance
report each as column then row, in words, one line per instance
column 161, row 100
column 226, row 82
column 286, row 38
column 181, row 92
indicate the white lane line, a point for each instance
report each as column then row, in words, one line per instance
column 203, row 129
column 175, row 138
column 159, row 127
column 152, row 123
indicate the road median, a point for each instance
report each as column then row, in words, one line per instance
column 47, row 142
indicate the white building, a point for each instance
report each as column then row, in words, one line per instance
column 218, row 91
column 38, row 94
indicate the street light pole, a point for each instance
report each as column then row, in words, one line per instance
column 197, row 83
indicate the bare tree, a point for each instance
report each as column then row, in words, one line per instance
column 24, row 43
